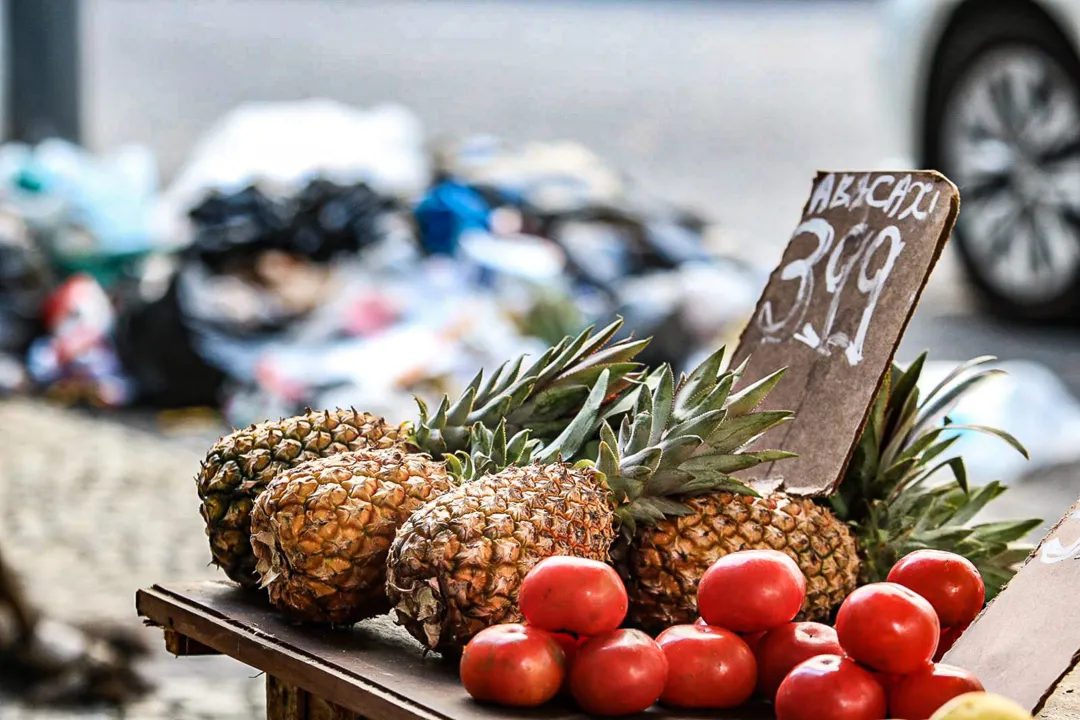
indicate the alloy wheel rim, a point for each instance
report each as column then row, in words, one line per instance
column 1011, row 143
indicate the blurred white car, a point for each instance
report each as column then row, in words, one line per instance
column 988, row 92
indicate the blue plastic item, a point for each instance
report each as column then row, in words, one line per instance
column 448, row 210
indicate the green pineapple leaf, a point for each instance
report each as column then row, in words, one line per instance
column 736, row 433
column 747, row 399
column 893, row 494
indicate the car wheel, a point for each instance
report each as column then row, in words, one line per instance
column 1003, row 123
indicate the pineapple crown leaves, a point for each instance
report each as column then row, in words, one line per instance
column 490, row 451
column 895, row 497
column 540, row 396
column 685, row 440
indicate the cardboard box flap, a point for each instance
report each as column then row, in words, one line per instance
column 1028, row 637
column 835, row 309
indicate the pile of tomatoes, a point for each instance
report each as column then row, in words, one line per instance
column 878, row 661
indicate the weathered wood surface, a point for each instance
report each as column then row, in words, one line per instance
column 183, row 646
column 288, row 702
column 373, row 669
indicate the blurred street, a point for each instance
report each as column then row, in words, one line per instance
column 729, row 106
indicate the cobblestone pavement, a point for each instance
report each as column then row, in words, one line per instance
column 92, row 509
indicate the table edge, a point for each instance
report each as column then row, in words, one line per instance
column 207, row 626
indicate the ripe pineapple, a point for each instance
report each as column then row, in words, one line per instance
column 667, row 560
column 321, row 530
column 546, row 395
column 239, row 466
column 456, row 565
column 884, row 498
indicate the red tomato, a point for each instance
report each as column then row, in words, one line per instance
column 569, row 644
column 785, row 647
column 918, row 696
column 618, row 673
column 751, row 639
column 829, row 686
column 751, row 591
column 886, row 680
column 582, row 596
column 708, row 667
column 513, row 665
column 888, row 627
column 949, row 636
column 947, row 580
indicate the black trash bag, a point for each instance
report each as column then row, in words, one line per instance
column 156, row 347
column 330, row 219
column 25, row 283
column 159, row 342
column 229, row 229
column 155, row 340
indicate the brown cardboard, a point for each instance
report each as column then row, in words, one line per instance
column 836, row 307
column 1028, row 636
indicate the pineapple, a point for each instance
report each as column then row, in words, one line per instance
column 885, row 499
column 321, row 530
column 456, row 565
column 239, row 466
column 667, row 560
column 544, row 395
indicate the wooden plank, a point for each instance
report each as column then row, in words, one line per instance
column 374, row 668
column 238, row 624
column 288, row 702
column 182, row 646
column 284, row 701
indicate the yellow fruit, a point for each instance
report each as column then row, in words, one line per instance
column 981, row 706
column 321, row 530
column 669, row 558
column 238, row 467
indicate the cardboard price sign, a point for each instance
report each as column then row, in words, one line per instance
column 1028, row 637
column 836, row 307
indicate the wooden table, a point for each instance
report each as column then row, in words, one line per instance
column 373, row 670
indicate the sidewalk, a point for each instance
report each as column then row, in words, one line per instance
column 90, row 510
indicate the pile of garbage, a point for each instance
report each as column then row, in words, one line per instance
column 313, row 254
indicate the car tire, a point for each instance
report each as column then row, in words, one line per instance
column 963, row 50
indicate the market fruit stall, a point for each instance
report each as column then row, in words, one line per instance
column 524, row 544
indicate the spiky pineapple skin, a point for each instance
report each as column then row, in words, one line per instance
column 240, row 465
column 457, row 564
column 321, row 531
column 667, row 560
